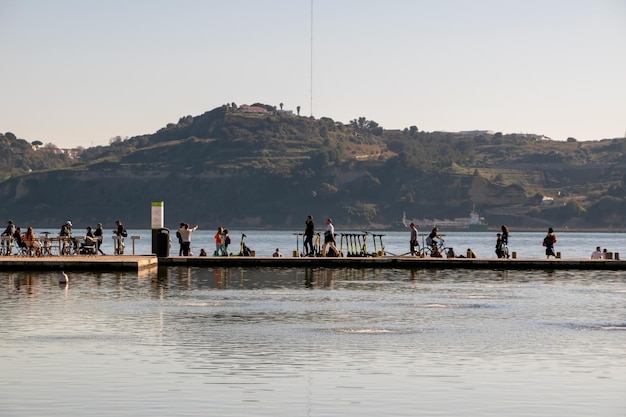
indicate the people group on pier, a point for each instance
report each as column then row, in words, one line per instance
column 29, row 243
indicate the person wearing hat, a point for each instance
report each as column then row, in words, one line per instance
column 99, row 237
column 9, row 231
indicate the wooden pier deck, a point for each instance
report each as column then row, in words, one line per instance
column 141, row 262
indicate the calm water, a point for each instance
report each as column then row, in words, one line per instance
column 323, row 342
column 526, row 244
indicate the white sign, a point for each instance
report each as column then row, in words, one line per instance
column 157, row 215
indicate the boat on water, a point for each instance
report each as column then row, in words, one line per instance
column 473, row 223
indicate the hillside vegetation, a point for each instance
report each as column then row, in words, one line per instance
column 236, row 169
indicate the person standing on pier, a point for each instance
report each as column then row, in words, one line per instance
column 549, row 242
column 180, row 240
column 185, row 237
column 121, row 234
column 413, row 242
column 8, row 232
column 218, row 242
column 500, row 245
column 98, row 234
column 329, row 238
column 66, row 234
column 308, row 236
column 226, row 241
column 505, row 234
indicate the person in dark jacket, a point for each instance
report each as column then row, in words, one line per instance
column 308, row 236
column 121, row 233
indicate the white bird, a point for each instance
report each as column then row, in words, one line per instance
column 63, row 278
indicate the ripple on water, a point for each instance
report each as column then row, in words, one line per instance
column 452, row 305
column 598, row 327
column 374, row 331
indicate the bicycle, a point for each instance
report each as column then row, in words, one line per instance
column 437, row 250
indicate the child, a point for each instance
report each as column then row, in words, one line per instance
column 499, row 246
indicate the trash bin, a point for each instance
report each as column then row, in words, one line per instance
column 163, row 243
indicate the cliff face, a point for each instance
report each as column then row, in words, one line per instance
column 224, row 168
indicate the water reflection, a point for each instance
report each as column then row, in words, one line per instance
column 184, row 278
column 285, row 342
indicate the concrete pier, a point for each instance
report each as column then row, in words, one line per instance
column 138, row 263
column 393, row 262
column 78, row 263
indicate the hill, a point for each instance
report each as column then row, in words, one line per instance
column 269, row 170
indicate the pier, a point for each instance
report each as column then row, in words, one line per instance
column 78, row 263
column 139, row 262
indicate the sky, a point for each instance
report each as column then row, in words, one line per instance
column 78, row 73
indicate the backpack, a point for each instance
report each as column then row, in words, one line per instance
column 124, row 233
column 227, row 241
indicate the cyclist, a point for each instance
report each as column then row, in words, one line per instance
column 433, row 241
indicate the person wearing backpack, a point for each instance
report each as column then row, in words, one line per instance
column 549, row 242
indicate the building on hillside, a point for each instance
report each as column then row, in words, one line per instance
column 476, row 132
column 244, row 108
column 72, row 153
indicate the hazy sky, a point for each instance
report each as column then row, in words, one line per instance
column 77, row 73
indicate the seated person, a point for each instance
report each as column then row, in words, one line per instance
column 277, row 254
column 89, row 245
column 597, row 254
column 90, row 239
column 30, row 240
column 17, row 238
